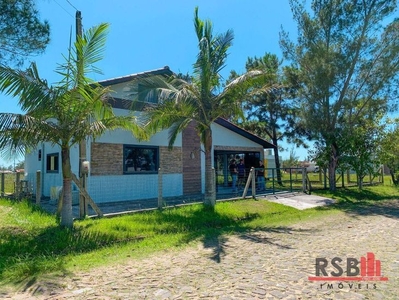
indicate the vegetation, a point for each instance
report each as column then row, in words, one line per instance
column 354, row 197
column 32, row 244
column 388, row 152
column 199, row 101
column 62, row 115
column 268, row 104
column 346, row 63
column 21, row 32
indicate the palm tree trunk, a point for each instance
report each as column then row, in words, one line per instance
column 210, row 197
column 66, row 212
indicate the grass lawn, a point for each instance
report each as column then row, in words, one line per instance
column 32, row 244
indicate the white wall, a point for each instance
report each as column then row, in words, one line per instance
column 133, row 187
column 225, row 137
column 121, row 90
column 120, row 136
column 32, row 165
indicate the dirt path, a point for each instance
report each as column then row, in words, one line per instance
column 269, row 264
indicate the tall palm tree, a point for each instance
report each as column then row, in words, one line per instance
column 201, row 100
column 64, row 114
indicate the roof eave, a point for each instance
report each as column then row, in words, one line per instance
column 162, row 71
column 265, row 144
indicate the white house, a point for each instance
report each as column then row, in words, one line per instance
column 124, row 169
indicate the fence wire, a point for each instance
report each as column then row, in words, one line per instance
column 274, row 181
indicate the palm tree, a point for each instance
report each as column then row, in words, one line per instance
column 201, row 99
column 64, row 114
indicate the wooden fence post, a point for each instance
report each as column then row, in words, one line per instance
column 214, row 184
column 249, row 180
column 304, row 180
column 160, row 202
column 38, row 187
column 325, row 177
column 83, row 206
column 253, row 183
column 2, row 184
column 89, row 200
column 17, row 185
column 273, row 182
column 343, row 179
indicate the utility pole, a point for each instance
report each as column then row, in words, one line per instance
column 79, row 31
column 78, row 23
column 82, row 145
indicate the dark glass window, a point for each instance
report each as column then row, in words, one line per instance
column 52, row 163
column 140, row 159
column 146, row 95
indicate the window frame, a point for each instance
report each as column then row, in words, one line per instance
column 137, row 151
column 56, row 158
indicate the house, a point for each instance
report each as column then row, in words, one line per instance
column 123, row 168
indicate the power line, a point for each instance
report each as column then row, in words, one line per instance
column 71, row 5
column 64, row 8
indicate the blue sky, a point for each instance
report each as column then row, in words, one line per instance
column 150, row 34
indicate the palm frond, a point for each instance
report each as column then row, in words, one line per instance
column 27, row 85
column 198, row 24
column 266, row 89
column 91, row 47
column 243, row 78
column 220, row 46
column 21, row 132
column 177, row 127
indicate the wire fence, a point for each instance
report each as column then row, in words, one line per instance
column 12, row 182
column 296, row 180
column 274, row 181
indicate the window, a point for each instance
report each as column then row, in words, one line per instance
column 147, row 96
column 140, row 159
column 52, row 163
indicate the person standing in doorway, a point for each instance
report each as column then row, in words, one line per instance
column 260, row 176
column 241, row 174
column 233, row 174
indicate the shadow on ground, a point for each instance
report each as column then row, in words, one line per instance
column 268, row 236
column 389, row 209
column 366, row 203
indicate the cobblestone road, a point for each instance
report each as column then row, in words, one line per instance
column 269, row 264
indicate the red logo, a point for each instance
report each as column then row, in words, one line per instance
column 369, row 270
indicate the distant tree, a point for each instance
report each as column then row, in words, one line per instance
column 359, row 147
column 65, row 114
column 268, row 104
column 20, row 165
column 292, row 161
column 388, row 151
column 21, row 32
column 200, row 100
column 342, row 55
